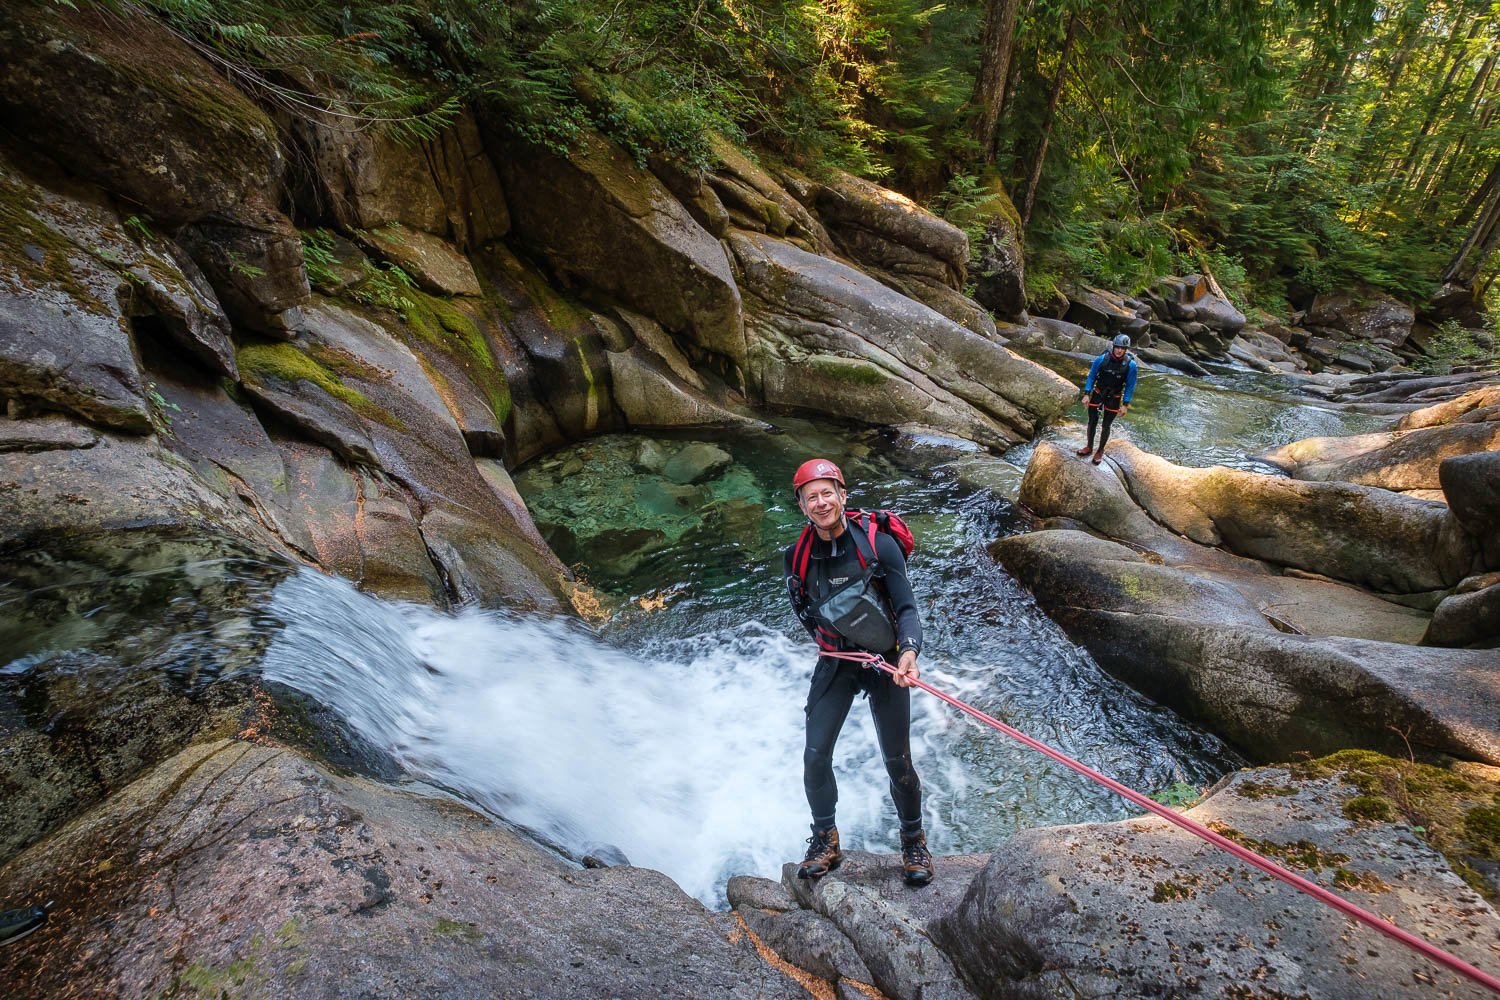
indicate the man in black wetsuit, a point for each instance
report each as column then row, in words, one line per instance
column 834, row 563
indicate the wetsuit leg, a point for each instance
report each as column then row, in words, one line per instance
column 1109, row 418
column 825, row 717
column 891, row 707
column 1093, row 422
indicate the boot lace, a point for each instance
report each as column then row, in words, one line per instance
column 916, row 855
column 817, row 846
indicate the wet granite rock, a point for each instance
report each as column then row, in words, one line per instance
column 1139, row 908
column 809, row 941
column 1364, row 314
column 825, row 336
column 758, row 893
column 235, row 863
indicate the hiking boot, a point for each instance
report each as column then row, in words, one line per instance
column 1084, row 450
column 916, row 860
column 1098, row 456
column 823, row 854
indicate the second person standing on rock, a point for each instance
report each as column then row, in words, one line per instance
column 1110, row 386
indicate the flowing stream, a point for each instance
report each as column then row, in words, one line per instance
column 671, row 732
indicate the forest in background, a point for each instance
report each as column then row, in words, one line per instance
column 1289, row 147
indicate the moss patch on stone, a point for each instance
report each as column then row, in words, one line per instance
column 39, row 256
column 252, row 974
column 1299, row 854
column 1374, row 808
column 456, row 929
column 560, row 313
column 1174, row 889
column 1455, row 811
column 282, row 362
column 1256, row 790
column 1482, row 823
column 848, row 371
column 1347, row 878
column 443, row 325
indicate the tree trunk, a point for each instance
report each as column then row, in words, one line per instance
column 1410, row 160
column 1041, row 151
column 994, row 73
column 1482, row 236
column 1431, row 180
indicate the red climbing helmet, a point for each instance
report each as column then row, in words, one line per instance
column 816, row 468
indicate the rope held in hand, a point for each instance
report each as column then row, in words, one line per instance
column 1265, row 864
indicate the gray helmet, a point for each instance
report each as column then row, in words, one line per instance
column 1121, row 340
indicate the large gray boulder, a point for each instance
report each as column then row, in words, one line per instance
column 1405, row 458
column 1472, row 486
column 1194, row 299
column 128, row 104
column 588, row 212
column 1182, row 605
column 1470, row 616
column 1140, row 908
column 235, row 863
column 829, row 339
column 1359, row 534
column 883, row 228
column 1262, row 664
column 445, row 185
column 1363, row 314
column 131, row 106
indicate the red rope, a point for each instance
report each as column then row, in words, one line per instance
column 1266, row 865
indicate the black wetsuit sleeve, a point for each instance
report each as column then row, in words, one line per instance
column 794, row 594
column 898, row 589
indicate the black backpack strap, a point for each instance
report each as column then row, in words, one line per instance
column 868, row 560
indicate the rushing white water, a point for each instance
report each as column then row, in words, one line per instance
column 689, row 763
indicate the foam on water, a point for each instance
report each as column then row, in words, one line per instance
column 690, row 762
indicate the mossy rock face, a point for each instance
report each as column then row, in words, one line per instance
column 1111, row 909
column 803, row 307
column 126, row 103
column 1455, row 809
column 64, row 338
column 848, row 370
column 266, row 363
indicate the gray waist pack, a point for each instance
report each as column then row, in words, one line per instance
column 857, row 613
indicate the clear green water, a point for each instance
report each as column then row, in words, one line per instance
column 679, row 562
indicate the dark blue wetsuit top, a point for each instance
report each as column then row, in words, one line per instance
column 1119, row 376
